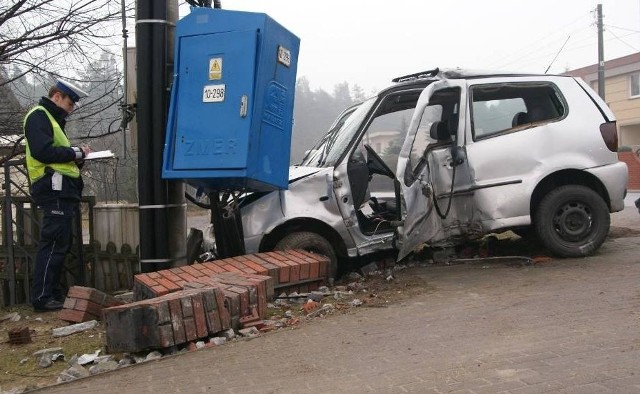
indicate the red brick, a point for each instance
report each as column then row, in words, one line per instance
column 175, row 309
column 161, row 307
column 145, row 280
column 69, row 303
column 238, row 264
column 187, row 306
column 303, row 263
column 159, row 290
column 250, row 318
column 229, row 267
column 199, row 315
column 223, row 313
column 295, row 271
column 187, row 277
column 165, row 335
column 192, row 271
column 272, row 269
column 171, row 286
column 214, row 323
column 254, row 285
column 88, row 306
column 93, row 295
column 257, row 268
column 211, row 265
column 175, row 270
column 321, row 259
column 190, row 331
column 238, row 296
column 167, row 274
column 268, row 281
column 283, row 268
column 138, row 326
column 294, row 268
column 261, row 292
column 75, row 316
column 79, row 292
column 314, row 265
column 203, row 270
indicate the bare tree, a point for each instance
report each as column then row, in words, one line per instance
column 52, row 38
column 78, row 40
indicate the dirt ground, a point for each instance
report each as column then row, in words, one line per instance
column 19, row 369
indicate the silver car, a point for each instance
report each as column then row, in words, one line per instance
column 445, row 156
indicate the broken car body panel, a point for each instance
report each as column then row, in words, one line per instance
column 448, row 156
column 506, row 175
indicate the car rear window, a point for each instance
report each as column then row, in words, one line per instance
column 498, row 108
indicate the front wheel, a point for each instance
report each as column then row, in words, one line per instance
column 314, row 243
column 572, row 221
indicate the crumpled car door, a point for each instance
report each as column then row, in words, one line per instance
column 426, row 170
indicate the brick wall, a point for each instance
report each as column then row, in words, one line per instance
column 183, row 304
column 633, row 164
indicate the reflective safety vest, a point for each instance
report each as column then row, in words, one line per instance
column 36, row 168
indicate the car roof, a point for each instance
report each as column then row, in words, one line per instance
column 462, row 73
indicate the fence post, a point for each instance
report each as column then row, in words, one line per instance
column 8, row 240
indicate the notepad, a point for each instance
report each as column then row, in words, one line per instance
column 102, row 154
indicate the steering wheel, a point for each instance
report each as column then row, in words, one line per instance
column 376, row 164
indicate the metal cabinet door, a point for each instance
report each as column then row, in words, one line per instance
column 215, row 72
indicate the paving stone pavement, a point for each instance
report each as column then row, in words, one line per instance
column 568, row 326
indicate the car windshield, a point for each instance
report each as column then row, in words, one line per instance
column 330, row 148
column 314, row 156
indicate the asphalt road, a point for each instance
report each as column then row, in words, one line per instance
column 567, row 326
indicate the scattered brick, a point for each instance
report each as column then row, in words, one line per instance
column 85, row 303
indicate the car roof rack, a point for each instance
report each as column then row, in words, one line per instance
column 422, row 74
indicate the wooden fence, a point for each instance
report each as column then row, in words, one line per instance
column 88, row 263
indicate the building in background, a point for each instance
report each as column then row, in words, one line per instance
column 622, row 93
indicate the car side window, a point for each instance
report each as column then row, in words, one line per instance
column 430, row 115
column 438, row 125
column 498, row 108
column 386, row 133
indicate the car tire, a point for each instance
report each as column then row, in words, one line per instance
column 572, row 221
column 314, row 243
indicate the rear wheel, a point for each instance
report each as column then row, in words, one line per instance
column 314, row 243
column 572, row 221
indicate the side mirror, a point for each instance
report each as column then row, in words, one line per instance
column 458, row 155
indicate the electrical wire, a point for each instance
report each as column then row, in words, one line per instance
column 622, row 41
column 621, row 28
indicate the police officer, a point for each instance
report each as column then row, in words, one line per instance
column 56, row 187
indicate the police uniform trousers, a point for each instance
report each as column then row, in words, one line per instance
column 55, row 242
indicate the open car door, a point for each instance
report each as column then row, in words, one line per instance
column 433, row 171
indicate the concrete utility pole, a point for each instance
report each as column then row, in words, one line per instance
column 600, row 53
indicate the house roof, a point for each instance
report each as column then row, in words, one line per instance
column 612, row 67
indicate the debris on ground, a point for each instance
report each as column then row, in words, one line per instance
column 76, row 354
column 74, row 328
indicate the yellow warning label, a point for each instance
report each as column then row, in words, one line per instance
column 215, row 68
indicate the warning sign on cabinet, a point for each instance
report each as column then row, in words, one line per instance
column 215, row 68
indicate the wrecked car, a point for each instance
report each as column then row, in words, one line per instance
column 440, row 157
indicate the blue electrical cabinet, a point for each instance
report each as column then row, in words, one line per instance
column 231, row 109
